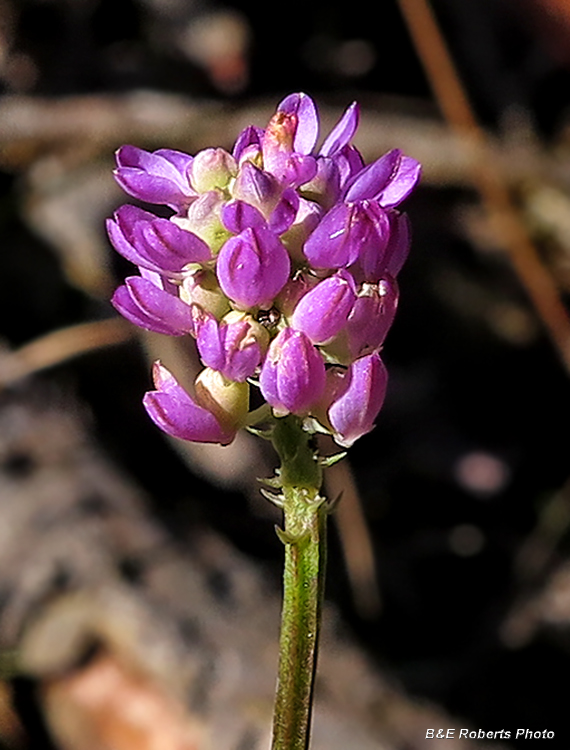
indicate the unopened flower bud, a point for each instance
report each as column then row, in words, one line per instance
column 358, row 399
column 368, row 323
column 212, row 168
column 226, row 399
column 253, row 267
column 178, row 414
column 256, row 187
column 323, row 311
column 158, row 177
column 202, row 288
column 232, row 346
column 347, row 231
column 204, row 219
column 292, row 378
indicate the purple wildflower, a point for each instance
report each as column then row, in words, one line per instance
column 359, row 397
column 280, row 260
column 159, row 177
column 179, row 415
column 323, row 311
column 293, row 375
column 232, row 347
column 253, row 267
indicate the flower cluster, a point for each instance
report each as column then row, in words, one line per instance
column 280, row 259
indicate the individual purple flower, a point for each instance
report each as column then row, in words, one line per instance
column 157, row 177
column 306, row 119
column 388, row 180
column 253, row 267
column 368, row 323
column 258, row 188
column 150, row 307
column 323, row 311
column 359, row 397
column 232, row 346
column 279, row 155
column 292, row 378
column 346, row 232
column 154, row 243
column 178, row 414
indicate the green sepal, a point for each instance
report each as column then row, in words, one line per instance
column 265, row 434
column 272, row 497
column 274, row 482
column 288, row 537
column 312, row 425
column 331, row 504
column 327, row 461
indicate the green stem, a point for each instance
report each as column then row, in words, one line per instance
column 304, row 537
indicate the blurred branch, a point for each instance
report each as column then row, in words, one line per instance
column 355, row 539
column 100, row 123
column 487, row 173
column 58, row 346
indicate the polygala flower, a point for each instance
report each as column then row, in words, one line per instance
column 280, row 259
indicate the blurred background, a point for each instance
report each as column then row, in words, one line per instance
column 449, row 564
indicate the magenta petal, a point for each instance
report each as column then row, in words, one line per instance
column 330, row 245
column 374, row 178
column 176, row 413
column 353, row 412
column 120, row 231
column 371, row 317
column 399, row 242
column 304, row 108
column 285, row 211
column 345, row 232
column 342, row 132
column 123, row 302
column 153, row 243
column 402, row 183
column 209, row 341
column 179, row 160
column 169, row 246
column 253, row 267
column 159, row 177
column 323, row 311
column 250, row 136
column 372, row 255
column 349, row 163
column 292, row 378
column 237, row 216
column 149, row 307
